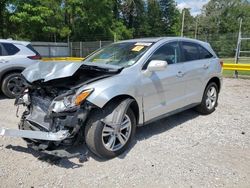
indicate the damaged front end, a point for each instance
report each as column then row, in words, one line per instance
column 57, row 119
column 56, row 110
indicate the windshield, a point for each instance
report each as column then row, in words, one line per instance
column 121, row 54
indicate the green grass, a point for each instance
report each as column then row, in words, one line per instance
column 230, row 73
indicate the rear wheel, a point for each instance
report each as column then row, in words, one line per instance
column 209, row 100
column 12, row 85
column 108, row 141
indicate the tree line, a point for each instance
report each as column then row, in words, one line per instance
column 52, row 20
column 88, row 20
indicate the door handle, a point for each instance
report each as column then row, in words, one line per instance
column 205, row 66
column 179, row 74
column 3, row 61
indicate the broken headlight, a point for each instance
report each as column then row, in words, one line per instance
column 69, row 102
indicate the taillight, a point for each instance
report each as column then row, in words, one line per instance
column 35, row 57
column 221, row 63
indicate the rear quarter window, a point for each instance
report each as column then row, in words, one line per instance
column 190, row 51
column 204, row 53
column 32, row 49
column 11, row 49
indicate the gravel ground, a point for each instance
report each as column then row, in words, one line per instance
column 184, row 150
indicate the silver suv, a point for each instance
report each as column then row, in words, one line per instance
column 126, row 84
column 15, row 56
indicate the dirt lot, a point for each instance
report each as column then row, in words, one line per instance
column 185, row 150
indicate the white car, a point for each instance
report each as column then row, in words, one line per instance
column 15, row 56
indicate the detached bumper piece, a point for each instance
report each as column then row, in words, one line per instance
column 39, row 135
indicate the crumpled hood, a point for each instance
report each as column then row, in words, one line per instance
column 50, row 70
column 46, row 71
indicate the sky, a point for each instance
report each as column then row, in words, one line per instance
column 195, row 5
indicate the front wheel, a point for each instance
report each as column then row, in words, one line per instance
column 209, row 100
column 108, row 141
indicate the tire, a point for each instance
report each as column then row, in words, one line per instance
column 208, row 107
column 12, row 85
column 95, row 139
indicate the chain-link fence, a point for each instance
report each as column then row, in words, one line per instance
column 82, row 49
column 51, row 49
column 73, row 49
column 223, row 44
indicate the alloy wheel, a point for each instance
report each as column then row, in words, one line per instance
column 15, row 85
column 115, row 137
column 211, row 97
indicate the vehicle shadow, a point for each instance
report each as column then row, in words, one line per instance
column 161, row 126
column 82, row 153
column 60, row 161
column 2, row 97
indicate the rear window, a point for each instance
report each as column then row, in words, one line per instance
column 11, row 49
column 190, row 51
column 32, row 49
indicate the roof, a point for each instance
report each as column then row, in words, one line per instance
column 14, row 41
column 153, row 39
column 156, row 39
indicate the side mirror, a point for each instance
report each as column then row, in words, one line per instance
column 157, row 65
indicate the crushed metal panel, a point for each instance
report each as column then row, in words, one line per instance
column 40, row 135
column 50, row 70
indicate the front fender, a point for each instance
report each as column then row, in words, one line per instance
column 106, row 90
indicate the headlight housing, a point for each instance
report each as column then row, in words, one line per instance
column 69, row 102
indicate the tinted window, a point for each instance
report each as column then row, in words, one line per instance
column 190, row 51
column 32, row 49
column 10, row 48
column 204, row 54
column 168, row 52
column 1, row 51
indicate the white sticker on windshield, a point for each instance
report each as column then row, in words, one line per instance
column 143, row 44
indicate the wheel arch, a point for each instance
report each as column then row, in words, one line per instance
column 217, row 81
column 134, row 105
column 9, row 71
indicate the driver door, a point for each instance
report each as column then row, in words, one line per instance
column 164, row 91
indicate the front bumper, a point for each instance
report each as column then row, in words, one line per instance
column 39, row 123
column 40, row 135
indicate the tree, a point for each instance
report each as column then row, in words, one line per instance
column 170, row 16
column 82, row 20
column 134, row 15
column 219, row 24
column 38, row 19
column 155, row 24
column 3, row 17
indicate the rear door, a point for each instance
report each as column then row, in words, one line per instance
column 196, row 61
column 164, row 91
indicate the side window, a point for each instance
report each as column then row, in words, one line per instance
column 204, row 53
column 190, row 51
column 10, row 48
column 168, row 52
column 1, row 51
